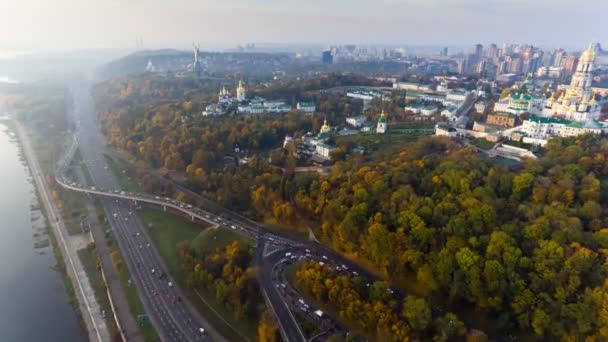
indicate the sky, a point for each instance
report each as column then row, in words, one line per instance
column 42, row 25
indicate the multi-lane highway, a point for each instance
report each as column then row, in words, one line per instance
column 172, row 315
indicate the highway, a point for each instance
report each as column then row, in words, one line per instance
column 173, row 316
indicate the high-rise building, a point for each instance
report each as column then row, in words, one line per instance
column 568, row 63
column 479, row 51
column 492, row 51
column 327, row 57
column 557, row 57
column 515, row 66
column 444, row 52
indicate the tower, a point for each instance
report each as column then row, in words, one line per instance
column 325, row 128
column 582, row 78
column 381, row 127
column 196, row 67
column 241, row 92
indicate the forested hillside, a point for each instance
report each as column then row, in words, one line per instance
column 525, row 251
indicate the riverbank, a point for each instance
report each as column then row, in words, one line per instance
column 88, row 306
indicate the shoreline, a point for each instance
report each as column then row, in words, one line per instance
column 95, row 329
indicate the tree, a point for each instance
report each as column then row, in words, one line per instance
column 417, row 313
column 267, row 328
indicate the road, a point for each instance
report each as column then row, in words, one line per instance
column 177, row 320
column 173, row 317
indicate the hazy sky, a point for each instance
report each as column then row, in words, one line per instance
column 75, row 24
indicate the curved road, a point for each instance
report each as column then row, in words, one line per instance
column 174, row 318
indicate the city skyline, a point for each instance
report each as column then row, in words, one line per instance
column 71, row 24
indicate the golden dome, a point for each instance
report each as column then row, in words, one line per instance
column 589, row 53
column 325, row 128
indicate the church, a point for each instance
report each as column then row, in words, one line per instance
column 577, row 101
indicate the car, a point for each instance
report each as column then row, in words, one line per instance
column 233, row 227
column 137, row 234
column 115, row 215
column 148, row 245
column 324, row 257
column 201, row 330
column 153, row 271
column 170, row 284
column 288, row 254
column 156, row 197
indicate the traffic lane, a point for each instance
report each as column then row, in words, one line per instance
column 286, row 320
column 163, row 290
column 138, row 269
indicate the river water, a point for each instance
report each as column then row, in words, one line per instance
column 33, row 301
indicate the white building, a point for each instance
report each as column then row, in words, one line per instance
column 150, row 67
column 356, row 121
column 411, row 86
column 456, row 95
column 325, row 151
column 549, row 72
column 212, row 109
column 365, row 95
column 307, row 107
column 259, row 105
column 517, row 103
column 577, row 102
column 421, row 109
column 545, row 128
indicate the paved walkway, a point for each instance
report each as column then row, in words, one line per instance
column 80, row 241
column 119, row 299
column 89, row 308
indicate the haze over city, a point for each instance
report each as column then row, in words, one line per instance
column 303, row 170
column 73, row 24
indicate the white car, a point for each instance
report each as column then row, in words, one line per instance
column 153, row 271
column 170, row 284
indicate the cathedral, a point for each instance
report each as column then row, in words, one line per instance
column 577, row 102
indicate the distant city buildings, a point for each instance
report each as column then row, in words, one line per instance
column 327, row 57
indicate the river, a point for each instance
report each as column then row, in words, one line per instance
column 33, row 300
